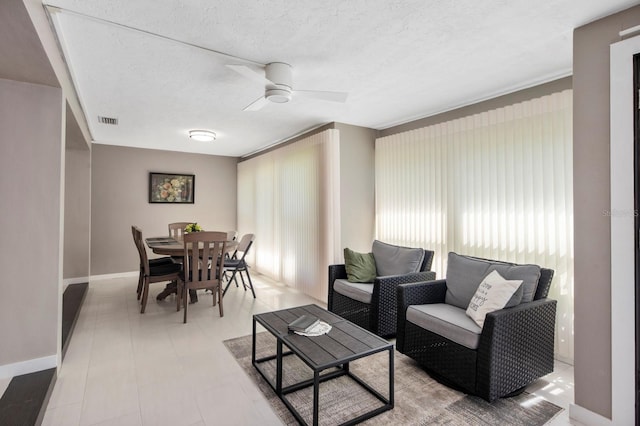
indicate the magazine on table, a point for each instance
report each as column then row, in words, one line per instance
column 303, row 323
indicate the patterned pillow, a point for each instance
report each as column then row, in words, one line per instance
column 493, row 293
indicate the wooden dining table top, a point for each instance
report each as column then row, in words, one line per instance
column 168, row 246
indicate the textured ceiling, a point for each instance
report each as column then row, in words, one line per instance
column 398, row 59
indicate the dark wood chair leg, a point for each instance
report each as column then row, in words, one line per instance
column 145, row 294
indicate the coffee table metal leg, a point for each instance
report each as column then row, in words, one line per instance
column 391, row 375
column 316, row 396
column 279, row 368
column 253, row 343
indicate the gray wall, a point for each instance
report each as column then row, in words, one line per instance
column 119, row 199
column 77, row 203
column 31, row 134
column 77, row 214
column 357, row 186
column 591, row 197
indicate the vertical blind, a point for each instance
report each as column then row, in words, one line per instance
column 497, row 185
column 288, row 198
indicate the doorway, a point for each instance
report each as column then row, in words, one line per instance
column 636, row 234
column 624, row 239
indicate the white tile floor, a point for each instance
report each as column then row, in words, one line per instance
column 123, row 368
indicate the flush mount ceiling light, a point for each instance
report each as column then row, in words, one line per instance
column 202, row 135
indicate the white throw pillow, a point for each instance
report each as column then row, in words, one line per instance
column 492, row 294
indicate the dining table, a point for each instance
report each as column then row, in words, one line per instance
column 168, row 246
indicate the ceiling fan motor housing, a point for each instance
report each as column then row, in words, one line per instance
column 280, row 75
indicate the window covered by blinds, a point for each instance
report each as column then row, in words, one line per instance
column 496, row 185
column 287, row 198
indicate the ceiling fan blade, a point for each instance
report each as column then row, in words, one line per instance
column 252, row 73
column 325, row 96
column 257, row 104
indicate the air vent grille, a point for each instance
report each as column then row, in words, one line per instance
column 108, row 120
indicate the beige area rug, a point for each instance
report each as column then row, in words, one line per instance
column 419, row 399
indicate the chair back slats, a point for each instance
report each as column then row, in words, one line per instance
column 176, row 230
column 203, row 257
column 203, row 266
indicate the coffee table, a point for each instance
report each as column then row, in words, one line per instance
column 333, row 351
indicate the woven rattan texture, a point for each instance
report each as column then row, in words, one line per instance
column 380, row 317
column 447, row 359
column 516, row 347
column 353, row 310
column 516, row 344
column 416, row 294
column 544, row 284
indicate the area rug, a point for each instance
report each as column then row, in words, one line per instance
column 419, row 399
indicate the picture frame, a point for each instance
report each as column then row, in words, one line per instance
column 171, row 188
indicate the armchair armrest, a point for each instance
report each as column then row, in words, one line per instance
column 420, row 293
column 387, row 287
column 335, row 272
column 524, row 333
column 384, row 299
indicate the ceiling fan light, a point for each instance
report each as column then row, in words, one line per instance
column 202, row 135
column 279, row 96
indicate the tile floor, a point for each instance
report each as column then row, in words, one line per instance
column 123, row 368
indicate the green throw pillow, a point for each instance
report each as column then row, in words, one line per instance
column 361, row 267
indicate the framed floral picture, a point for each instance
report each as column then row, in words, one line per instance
column 171, row 188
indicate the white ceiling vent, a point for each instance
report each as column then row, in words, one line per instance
column 108, row 120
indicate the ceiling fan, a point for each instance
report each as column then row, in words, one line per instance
column 276, row 76
column 278, row 80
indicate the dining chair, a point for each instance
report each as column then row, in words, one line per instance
column 152, row 262
column 203, row 266
column 237, row 264
column 176, row 230
column 156, row 273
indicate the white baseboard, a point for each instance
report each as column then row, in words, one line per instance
column 26, row 367
column 587, row 417
column 117, row 275
column 76, row 280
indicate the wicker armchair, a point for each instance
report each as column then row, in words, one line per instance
column 515, row 346
column 379, row 316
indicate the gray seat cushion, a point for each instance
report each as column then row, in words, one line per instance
column 464, row 275
column 447, row 321
column 361, row 292
column 396, row 260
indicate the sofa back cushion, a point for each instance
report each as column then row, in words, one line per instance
column 396, row 260
column 465, row 273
